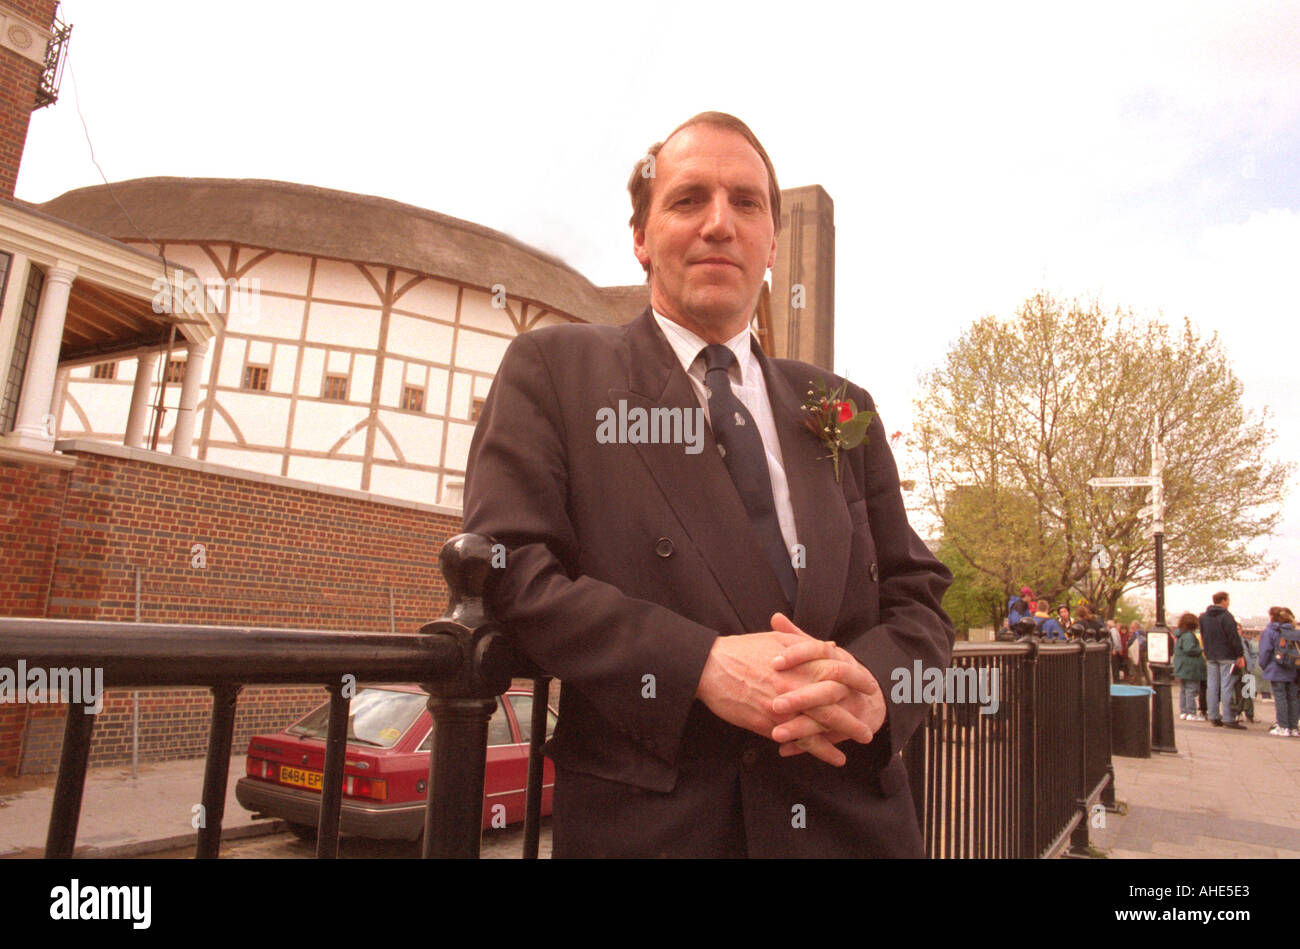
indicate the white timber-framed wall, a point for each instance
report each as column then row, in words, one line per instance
column 303, row 317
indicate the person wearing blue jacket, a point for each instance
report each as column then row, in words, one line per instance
column 1277, row 634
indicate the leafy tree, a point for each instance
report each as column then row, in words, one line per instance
column 973, row 600
column 1023, row 412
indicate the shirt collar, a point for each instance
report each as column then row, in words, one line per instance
column 687, row 345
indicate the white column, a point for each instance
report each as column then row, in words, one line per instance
column 12, row 311
column 59, row 396
column 35, row 426
column 183, row 433
column 137, row 418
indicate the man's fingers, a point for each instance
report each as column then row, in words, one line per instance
column 781, row 624
column 817, row 746
column 804, row 650
column 825, row 692
column 821, row 720
column 797, row 696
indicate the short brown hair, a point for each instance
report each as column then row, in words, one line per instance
column 1280, row 614
column 1188, row 621
column 1219, row 597
column 639, row 184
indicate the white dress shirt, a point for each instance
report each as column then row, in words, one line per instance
column 750, row 388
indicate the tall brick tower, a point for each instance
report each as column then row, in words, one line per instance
column 32, row 42
column 803, row 280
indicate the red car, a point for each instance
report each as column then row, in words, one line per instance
column 386, row 773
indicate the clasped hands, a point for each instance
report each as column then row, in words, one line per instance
column 805, row 694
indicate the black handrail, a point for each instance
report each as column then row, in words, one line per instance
column 1020, row 781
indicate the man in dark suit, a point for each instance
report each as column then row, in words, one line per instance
column 722, row 608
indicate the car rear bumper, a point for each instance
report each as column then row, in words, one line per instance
column 398, row 821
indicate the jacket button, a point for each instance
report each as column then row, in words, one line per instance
column 664, row 547
column 749, row 757
column 875, row 572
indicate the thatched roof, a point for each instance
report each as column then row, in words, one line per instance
column 278, row 215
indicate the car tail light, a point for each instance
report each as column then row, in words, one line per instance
column 261, row 768
column 375, row 789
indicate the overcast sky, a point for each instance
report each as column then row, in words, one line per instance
column 975, row 153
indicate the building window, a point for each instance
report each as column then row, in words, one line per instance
column 104, row 370
column 255, row 377
column 476, row 409
column 175, row 370
column 413, row 398
column 335, row 388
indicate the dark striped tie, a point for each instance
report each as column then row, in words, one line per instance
column 742, row 452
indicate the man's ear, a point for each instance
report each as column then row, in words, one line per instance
column 771, row 258
column 638, row 246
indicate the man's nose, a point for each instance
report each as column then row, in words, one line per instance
column 719, row 223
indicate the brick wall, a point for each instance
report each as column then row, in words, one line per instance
column 210, row 549
column 18, row 80
column 31, row 503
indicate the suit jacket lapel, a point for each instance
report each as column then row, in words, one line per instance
column 698, row 487
column 821, row 516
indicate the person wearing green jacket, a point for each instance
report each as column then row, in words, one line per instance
column 1189, row 666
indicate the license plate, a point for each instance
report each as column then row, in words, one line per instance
column 300, row 778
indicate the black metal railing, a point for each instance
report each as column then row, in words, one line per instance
column 1021, row 778
column 462, row 660
column 1018, row 780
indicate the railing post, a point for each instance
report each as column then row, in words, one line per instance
column 536, row 767
column 461, row 704
column 336, row 751
column 216, row 771
column 1079, row 838
column 61, row 835
column 1028, row 808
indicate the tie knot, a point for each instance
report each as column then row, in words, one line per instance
column 717, row 356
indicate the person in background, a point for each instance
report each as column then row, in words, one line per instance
column 1138, row 653
column 1279, row 633
column 1125, row 640
column 1222, row 645
column 1041, row 617
column 1092, row 626
column 1054, row 627
column 1017, row 609
column 1243, row 701
column 1189, row 667
column 1116, row 651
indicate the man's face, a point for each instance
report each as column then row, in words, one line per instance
column 1063, row 614
column 709, row 237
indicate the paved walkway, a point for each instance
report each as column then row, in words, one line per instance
column 123, row 816
column 1227, row 793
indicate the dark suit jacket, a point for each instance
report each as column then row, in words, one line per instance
column 627, row 560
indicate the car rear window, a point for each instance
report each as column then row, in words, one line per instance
column 378, row 717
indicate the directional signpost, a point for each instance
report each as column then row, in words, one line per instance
column 1162, row 716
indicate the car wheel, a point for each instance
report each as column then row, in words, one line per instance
column 302, row 831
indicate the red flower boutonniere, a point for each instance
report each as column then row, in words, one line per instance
column 835, row 420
